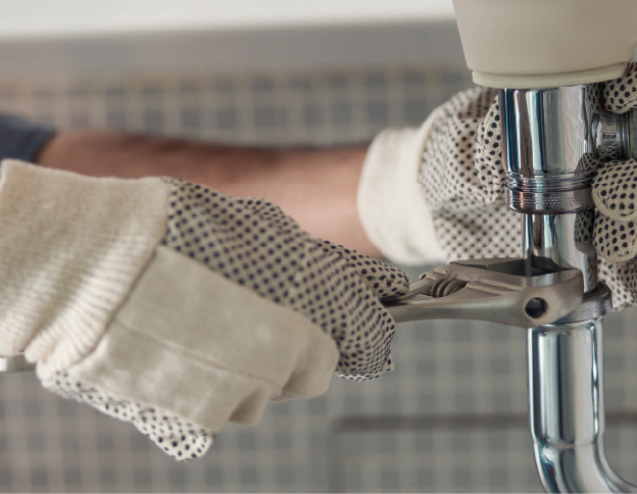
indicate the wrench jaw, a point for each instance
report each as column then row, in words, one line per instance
column 501, row 290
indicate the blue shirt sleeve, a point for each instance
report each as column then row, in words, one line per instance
column 21, row 139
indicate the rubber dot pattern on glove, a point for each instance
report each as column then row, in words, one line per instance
column 615, row 239
column 615, row 189
column 622, row 280
column 179, row 438
column 253, row 243
column 620, row 95
column 463, row 179
column 386, row 281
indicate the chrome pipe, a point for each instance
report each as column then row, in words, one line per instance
column 551, row 139
column 567, row 408
column 563, row 240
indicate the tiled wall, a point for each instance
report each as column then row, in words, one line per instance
column 451, row 418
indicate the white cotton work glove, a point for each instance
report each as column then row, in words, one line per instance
column 614, row 193
column 176, row 308
column 435, row 194
column 452, row 170
column 615, row 186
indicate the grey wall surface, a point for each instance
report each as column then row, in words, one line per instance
column 452, row 418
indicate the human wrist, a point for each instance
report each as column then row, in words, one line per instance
column 317, row 186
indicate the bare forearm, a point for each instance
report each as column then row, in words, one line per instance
column 317, row 187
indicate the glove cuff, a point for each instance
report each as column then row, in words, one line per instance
column 391, row 206
column 22, row 140
column 72, row 248
column 206, row 349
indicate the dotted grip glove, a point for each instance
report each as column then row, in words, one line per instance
column 451, row 179
column 615, row 185
column 177, row 308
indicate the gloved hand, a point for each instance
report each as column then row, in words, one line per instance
column 452, row 181
column 615, row 185
column 177, row 308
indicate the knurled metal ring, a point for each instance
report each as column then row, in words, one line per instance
column 569, row 201
column 595, row 305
